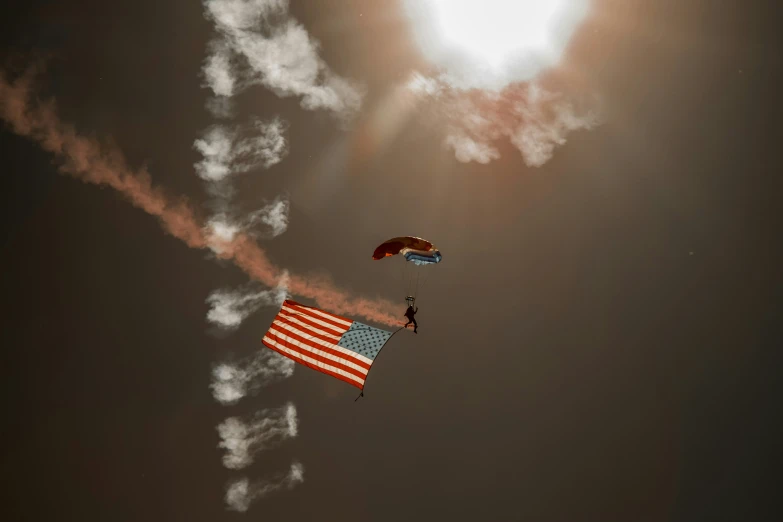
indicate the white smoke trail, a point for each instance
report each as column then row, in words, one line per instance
column 243, row 439
column 261, row 44
column 241, row 493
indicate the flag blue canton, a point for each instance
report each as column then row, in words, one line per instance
column 364, row 340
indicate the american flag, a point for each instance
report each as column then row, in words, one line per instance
column 325, row 342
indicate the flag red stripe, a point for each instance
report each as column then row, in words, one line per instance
column 312, row 355
column 316, row 368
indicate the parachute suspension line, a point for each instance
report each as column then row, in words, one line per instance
column 406, row 280
column 426, row 278
column 376, row 358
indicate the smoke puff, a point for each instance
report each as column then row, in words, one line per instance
column 228, row 151
column 243, row 439
column 228, row 308
column 273, row 215
column 217, row 69
column 238, row 495
column 241, row 493
column 233, row 381
column 534, row 120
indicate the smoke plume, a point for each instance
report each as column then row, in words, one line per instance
column 90, row 161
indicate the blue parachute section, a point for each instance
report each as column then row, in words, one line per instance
column 420, row 257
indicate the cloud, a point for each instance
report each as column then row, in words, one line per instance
column 228, row 308
column 261, row 44
column 240, row 494
column 243, row 439
column 534, row 120
column 228, row 151
column 233, row 381
column 90, row 161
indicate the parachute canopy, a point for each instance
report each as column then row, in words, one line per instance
column 414, row 249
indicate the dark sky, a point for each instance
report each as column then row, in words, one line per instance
column 575, row 362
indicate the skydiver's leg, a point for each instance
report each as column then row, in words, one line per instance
column 415, row 326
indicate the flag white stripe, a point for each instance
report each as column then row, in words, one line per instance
column 314, row 362
column 304, row 346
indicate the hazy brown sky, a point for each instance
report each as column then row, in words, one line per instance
column 601, row 341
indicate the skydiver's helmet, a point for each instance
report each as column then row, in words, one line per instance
column 410, row 300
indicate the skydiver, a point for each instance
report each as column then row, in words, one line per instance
column 409, row 313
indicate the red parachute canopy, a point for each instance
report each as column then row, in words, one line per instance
column 414, row 249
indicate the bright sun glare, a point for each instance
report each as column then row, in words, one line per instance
column 489, row 43
column 497, row 27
